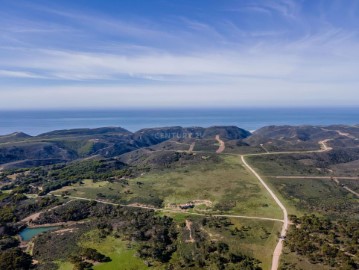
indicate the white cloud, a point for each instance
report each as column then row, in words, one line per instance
column 305, row 60
column 18, row 74
column 200, row 63
column 73, row 65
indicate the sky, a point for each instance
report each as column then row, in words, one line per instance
column 175, row 54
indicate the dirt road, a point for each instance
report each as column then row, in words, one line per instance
column 169, row 210
column 279, row 248
column 221, row 145
column 35, row 216
column 313, row 177
column 323, row 145
column 189, row 228
column 351, row 191
column 190, row 150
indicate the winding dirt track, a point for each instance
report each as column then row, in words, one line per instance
column 190, row 150
column 351, row 191
column 189, row 228
column 221, row 145
column 35, row 216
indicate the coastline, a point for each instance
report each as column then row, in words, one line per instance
column 41, row 121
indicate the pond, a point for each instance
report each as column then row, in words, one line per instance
column 28, row 233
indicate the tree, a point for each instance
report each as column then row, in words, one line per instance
column 15, row 259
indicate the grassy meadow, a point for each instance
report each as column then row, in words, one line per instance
column 273, row 165
column 225, row 187
column 320, row 196
column 121, row 253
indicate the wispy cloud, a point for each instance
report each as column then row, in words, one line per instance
column 285, row 8
column 262, row 49
column 78, row 65
column 98, row 22
column 19, row 74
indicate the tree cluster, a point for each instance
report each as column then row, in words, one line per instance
column 323, row 241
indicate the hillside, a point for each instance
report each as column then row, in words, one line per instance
column 16, row 136
column 20, row 150
column 182, row 198
column 303, row 137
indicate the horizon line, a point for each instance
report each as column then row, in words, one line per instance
column 178, row 108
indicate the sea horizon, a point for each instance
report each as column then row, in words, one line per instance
column 35, row 122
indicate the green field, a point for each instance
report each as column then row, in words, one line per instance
column 284, row 164
column 225, row 187
column 122, row 256
column 320, row 196
column 65, row 266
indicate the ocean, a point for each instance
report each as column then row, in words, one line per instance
column 37, row 122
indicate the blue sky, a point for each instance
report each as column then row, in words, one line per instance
column 166, row 53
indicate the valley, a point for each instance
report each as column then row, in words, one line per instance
column 215, row 198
